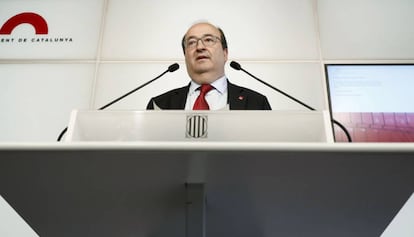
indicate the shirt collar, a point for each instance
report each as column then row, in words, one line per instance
column 220, row 85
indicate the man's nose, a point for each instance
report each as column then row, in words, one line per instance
column 200, row 44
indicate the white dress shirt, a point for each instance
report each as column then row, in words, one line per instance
column 216, row 98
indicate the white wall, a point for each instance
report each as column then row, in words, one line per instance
column 120, row 44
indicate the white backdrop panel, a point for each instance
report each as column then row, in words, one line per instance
column 78, row 20
column 116, row 79
column 36, row 99
column 261, row 29
column 368, row 29
column 301, row 80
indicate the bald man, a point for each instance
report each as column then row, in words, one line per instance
column 205, row 50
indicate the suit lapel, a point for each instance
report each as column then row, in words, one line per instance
column 236, row 97
column 179, row 98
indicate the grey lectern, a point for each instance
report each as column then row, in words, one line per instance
column 214, row 174
column 207, row 126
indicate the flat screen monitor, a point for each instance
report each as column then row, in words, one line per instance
column 374, row 102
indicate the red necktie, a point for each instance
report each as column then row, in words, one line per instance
column 201, row 103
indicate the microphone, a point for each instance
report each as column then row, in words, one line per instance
column 235, row 65
column 172, row 68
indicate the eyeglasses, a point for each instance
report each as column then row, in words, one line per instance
column 207, row 40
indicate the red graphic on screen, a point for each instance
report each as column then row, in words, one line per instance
column 37, row 21
column 376, row 127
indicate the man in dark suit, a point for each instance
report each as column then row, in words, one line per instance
column 205, row 51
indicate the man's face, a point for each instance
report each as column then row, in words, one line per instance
column 205, row 64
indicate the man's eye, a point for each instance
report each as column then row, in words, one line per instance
column 191, row 42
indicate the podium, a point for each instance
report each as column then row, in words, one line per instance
column 209, row 183
column 185, row 126
column 199, row 126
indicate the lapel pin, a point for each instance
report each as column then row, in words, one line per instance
column 241, row 97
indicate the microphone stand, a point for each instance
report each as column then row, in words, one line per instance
column 171, row 68
column 236, row 65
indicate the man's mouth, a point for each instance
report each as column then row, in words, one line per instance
column 201, row 57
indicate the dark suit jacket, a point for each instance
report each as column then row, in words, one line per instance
column 239, row 98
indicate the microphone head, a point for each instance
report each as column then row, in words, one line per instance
column 235, row 65
column 173, row 67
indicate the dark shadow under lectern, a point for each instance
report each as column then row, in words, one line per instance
column 93, row 186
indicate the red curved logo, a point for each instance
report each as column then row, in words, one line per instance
column 37, row 21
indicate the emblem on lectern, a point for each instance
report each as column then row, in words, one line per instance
column 196, row 126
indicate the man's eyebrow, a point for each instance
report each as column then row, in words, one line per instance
column 194, row 37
